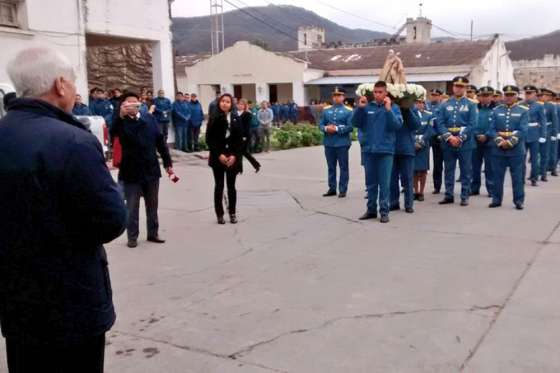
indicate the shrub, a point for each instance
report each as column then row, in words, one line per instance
column 296, row 135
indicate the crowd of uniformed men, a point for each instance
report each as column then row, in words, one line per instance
column 480, row 129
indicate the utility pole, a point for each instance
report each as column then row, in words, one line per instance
column 420, row 13
column 472, row 29
column 217, row 20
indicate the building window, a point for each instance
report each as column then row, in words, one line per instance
column 304, row 39
column 8, row 13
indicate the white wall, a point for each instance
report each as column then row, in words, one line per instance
column 137, row 19
column 496, row 68
column 57, row 27
column 62, row 24
column 244, row 63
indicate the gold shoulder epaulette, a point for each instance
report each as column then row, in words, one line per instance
column 429, row 112
column 523, row 106
column 327, row 107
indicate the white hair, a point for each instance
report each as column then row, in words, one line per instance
column 34, row 71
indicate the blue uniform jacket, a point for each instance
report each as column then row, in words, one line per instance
column 59, row 206
column 378, row 127
column 423, row 137
column 551, row 120
column 181, row 113
column 341, row 116
column 537, row 121
column 284, row 112
column 509, row 123
column 102, row 108
column 483, row 123
column 197, row 115
column 80, row 109
column 459, row 115
column 405, row 137
column 163, row 109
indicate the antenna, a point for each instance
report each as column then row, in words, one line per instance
column 217, row 20
column 420, row 10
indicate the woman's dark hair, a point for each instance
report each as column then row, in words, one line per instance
column 220, row 100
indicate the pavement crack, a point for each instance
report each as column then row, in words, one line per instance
column 319, row 212
column 196, row 350
column 500, row 309
column 250, row 348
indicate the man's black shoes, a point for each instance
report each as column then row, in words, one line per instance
column 384, row 219
column 156, row 239
column 342, row 195
column 330, row 193
column 464, row 202
column 132, row 243
column 519, row 206
column 446, row 201
column 494, row 205
column 368, row 216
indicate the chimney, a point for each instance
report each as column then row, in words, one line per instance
column 418, row 30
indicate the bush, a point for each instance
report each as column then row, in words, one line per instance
column 296, row 135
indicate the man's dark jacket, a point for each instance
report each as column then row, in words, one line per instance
column 58, row 206
column 140, row 139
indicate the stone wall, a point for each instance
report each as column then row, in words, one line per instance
column 125, row 67
column 541, row 73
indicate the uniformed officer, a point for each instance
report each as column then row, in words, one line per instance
column 403, row 163
column 483, row 147
column 507, row 131
column 423, row 138
column 536, row 132
column 336, row 124
column 472, row 93
column 456, row 119
column 552, row 129
column 101, row 106
column 558, row 113
column 379, row 120
column 436, row 97
column 498, row 97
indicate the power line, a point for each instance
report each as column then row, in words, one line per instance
column 309, row 20
column 255, row 10
column 261, row 21
column 356, row 15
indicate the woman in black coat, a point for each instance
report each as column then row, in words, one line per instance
column 224, row 137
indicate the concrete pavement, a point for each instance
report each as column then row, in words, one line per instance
column 300, row 285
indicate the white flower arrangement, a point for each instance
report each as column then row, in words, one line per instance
column 365, row 89
column 397, row 91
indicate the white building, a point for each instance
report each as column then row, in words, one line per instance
column 70, row 26
column 248, row 71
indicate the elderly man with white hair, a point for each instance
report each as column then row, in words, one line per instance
column 58, row 206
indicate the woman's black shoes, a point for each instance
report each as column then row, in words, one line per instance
column 233, row 219
column 221, row 220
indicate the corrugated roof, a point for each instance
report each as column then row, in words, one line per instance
column 358, row 79
column 535, row 48
column 413, row 55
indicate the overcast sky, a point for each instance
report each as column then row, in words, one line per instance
column 513, row 18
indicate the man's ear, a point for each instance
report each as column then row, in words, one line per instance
column 59, row 86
